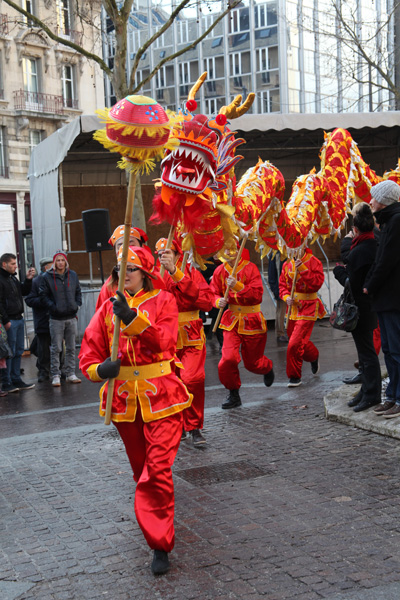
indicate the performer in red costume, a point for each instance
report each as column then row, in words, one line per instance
column 192, row 294
column 243, row 323
column 305, row 308
column 148, row 397
column 137, row 238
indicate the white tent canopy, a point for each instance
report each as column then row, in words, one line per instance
column 43, row 177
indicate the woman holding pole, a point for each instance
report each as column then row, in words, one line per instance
column 148, row 398
column 237, row 284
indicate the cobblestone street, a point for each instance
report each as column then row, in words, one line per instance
column 282, row 504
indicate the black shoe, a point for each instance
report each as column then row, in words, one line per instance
column 183, row 436
column 356, row 400
column 355, row 379
column 293, row 382
column 233, row 400
column 21, row 385
column 365, row 404
column 198, row 438
column 269, row 378
column 42, row 377
column 160, row 564
column 10, row 388
column 282, row 339
column 315, row 367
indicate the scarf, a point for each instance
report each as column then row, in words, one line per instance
column 369, row 235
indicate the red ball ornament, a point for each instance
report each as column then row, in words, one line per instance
column 191, row 105
column 220, row 119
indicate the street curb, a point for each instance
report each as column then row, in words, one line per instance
column 336, row 409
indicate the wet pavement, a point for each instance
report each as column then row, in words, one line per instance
column 282, row 504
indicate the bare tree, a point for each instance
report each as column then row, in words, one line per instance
column 357, row 47
column 123, row 83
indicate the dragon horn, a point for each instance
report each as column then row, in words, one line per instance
column 235, row 109
column 197, row 86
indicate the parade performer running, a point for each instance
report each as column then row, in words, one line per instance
column 137, row 238
column 299, row 283
column 244, row 325
column 148, row 397
column 192, row 294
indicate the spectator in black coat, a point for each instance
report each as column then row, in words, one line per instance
column 359, row 261
column 41, row 318
column 12, row 309
column 61, row 293
column 383, row 286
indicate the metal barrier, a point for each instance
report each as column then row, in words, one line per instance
column 87, row 310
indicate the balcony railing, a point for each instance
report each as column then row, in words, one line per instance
column 37, row 102
column 70, row 103
column 3, row 24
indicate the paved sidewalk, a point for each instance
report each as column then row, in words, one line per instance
column 283, row 504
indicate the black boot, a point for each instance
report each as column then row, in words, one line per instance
column 233, row 400
column 160, row 564
column 269, row 378
column 365, row 404
column 356, row 400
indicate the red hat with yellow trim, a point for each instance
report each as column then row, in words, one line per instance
column 141, row 258
column 161, row 245
column 135, row 232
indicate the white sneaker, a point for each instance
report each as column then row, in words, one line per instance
column 73, row 379
column 55, row 382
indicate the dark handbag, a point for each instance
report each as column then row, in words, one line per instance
column 344, row 315
column 5, row 350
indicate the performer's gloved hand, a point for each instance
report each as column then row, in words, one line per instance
column 109, row 369
column 121, row 309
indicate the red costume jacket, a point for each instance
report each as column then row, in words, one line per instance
column 146, row 348
column 310, row 277
column 192, row 293
column 244, row 299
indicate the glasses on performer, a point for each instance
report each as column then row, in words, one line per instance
column 128, row 269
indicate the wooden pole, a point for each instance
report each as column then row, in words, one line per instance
column 121, row 284
column 185, row 259
column 169, row 244
column 291, row 296
column 235, row 266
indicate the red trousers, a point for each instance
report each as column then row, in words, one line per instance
column 300, row 348
column 151, row 449
column 193, row 377
column 252, row 349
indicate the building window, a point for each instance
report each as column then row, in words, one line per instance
column 3, row 158
column 31, row 75
column 183, row 32
column 63, row 17
column 29, row 7
column 35, row 137
column 184, row 78
column 68, row 86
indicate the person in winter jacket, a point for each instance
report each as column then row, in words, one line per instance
column 12, row 310
column 41, row 319
column 383, row 285
column 358, row 262
column 62, row 296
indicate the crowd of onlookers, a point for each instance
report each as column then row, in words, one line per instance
column 55, row 297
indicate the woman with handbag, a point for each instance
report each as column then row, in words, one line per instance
column 359, row 261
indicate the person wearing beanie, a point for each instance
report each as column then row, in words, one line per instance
column 61, row 294
column 137, row 239
column 358, row 262
column 12, row 292
column 192, row 294
column 383, row 286
column 41, row 318
column 148, row 398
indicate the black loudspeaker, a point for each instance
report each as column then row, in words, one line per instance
column 97, row 229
